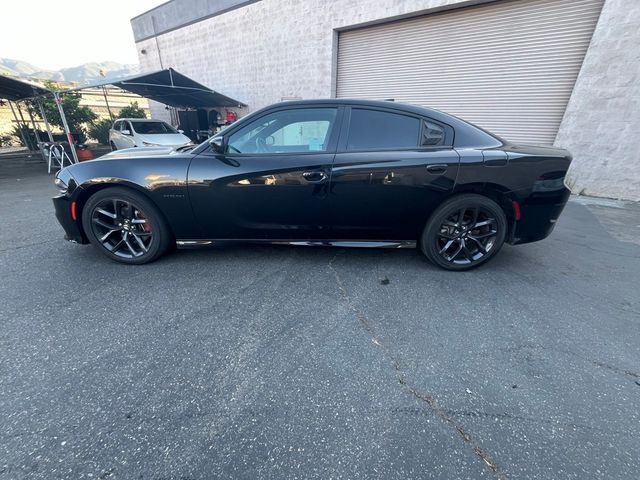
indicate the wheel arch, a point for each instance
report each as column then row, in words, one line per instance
column 499, row 194
column 90, row 190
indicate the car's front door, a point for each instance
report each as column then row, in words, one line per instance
column 271, row 179
column 127, row 139
column 391, row 170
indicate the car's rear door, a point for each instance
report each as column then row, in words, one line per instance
column 272, row 181
column 391, row 170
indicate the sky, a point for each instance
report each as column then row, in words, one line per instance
column 67, row 33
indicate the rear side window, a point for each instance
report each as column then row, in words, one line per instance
column 373, row 130
column 432, row 134
column 116, row 126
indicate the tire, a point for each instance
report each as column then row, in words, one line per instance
column 113, row 146
column 125, row 226
column 464, row 232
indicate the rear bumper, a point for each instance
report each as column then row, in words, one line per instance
column 540, row 213
column 72, row 230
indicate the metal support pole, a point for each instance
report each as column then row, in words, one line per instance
column 24, row 122
column 66, row 127
column 104, row 92
column 35, row 132
column 35, row 127
column 24, row 139
column 44, row 117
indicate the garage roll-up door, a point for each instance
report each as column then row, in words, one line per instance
column 507, row 66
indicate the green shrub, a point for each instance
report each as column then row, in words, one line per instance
column 132, row 111
column 99, row 131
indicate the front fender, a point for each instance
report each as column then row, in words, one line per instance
column 161, row 179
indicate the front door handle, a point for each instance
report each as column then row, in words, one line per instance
column 436, row 169
column 315, row 177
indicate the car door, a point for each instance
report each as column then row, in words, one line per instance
column 391, row 170
column 127, row 138
column 270, row 178
column 114, row 134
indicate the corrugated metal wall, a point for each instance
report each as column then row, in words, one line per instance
column 507, row 66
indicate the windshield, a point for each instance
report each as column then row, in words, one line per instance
column 150, row 128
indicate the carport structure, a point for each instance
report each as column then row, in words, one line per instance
column 164, row 86
column 173, row 89
column 14, row 91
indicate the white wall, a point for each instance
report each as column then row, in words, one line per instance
column 601, row 125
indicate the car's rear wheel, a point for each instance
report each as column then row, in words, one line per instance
column 113, row 146
column 464, row 232
column 125, row 226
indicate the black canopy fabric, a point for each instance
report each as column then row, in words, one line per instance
column 174, row 89
column 14, row 89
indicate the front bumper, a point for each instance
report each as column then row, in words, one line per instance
column 72, row 230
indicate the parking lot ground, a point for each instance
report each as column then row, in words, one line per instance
column 293, row 362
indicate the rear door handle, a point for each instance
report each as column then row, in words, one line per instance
column 315, row 177
column 436, row 169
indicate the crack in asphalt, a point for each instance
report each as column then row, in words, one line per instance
column 425, row 397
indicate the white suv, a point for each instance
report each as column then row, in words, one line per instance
column 142, row 132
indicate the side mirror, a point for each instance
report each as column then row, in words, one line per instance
column 126, row 132
column 180, row 131
column 217, row 144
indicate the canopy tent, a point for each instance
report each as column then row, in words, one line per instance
column 174, row 89
column 14, row 89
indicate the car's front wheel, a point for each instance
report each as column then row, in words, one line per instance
column 113, row 146
column 464, row 232
column 125, row 226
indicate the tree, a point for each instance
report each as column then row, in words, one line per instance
column 100, row 130
column 78, row 116
column 132, row 111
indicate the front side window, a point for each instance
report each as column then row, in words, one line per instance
column 374, row 129
column 287, row 131
column 151, row 128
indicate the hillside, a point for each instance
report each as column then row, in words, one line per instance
column 82, row 74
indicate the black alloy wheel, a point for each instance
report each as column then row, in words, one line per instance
column 464, row 232
column 125, row 226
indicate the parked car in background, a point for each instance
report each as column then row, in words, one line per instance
column 322, row 172
column 142, row 132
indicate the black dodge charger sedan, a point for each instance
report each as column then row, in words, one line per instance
column 322, row 172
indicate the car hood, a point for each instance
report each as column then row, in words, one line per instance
column 168, row 139
column 140, row 152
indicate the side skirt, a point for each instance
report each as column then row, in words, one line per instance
column 184, row 243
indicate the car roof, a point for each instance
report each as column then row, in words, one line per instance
column 140, row 119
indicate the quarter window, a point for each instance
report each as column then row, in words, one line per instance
column 373, row 130
column 286, row 131
column 432, row 134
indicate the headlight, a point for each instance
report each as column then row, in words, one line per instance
column 63, row 187
column 147, row 144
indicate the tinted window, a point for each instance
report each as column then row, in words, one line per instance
column 116, row 125
column 371, row 129
column 286, row 131
column 151, row 128
column 432, row 134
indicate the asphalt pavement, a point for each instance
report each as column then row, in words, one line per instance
column 294, row 362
